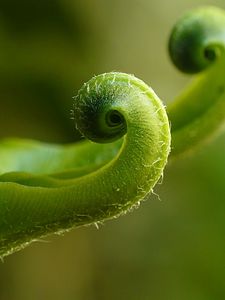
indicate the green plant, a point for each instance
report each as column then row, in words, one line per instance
column 48, row 188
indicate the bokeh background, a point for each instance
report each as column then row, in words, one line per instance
column 173, row 246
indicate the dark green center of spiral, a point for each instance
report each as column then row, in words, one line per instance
column 114, row 118
column 210, row 54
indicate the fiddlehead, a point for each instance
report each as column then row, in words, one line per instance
column 68, row 194
column 197, row 45
column 51, row 188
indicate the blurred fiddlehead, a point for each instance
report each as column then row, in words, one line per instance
column 52, row 188
column 197, row 45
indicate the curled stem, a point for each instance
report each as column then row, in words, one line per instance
column 197, row 45
column 116, row 177
column 52, row 188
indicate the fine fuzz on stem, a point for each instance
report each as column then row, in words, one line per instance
column 86, row 183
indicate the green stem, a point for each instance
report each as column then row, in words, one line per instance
column 197, row 44
column 33, row 205
column 52, row 188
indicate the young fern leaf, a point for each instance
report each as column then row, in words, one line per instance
column 84, row 183
column 197, row 45
column 48, row 189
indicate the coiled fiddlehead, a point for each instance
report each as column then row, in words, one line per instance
column 197, row 45
column 51, row 188
column 84, row 183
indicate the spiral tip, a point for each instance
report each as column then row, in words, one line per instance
column 197, row 39
column 96, row 112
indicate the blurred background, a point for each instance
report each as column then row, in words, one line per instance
column 173, row 246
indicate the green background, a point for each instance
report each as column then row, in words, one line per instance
column 173, row 246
